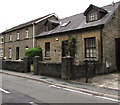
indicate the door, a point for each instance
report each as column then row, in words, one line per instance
column 117, row 42
column 17, row 53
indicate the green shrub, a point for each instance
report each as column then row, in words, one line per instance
column 32, row 52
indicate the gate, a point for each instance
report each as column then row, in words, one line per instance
column 90, row 69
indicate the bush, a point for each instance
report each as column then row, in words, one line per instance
column 32, row 52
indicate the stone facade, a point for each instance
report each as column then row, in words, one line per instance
column 105, row 39
column 56, row 45
column 1, row 45
column 21, row 43
column 110, row 33
column 99, row 24
column 18, row 46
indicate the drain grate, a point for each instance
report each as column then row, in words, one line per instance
column 43, row 78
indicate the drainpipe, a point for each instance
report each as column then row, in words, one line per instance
column 101, row 41
column 33, row 35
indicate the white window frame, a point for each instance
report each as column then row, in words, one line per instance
column 18, row 36
column 27, row 34
column 93, row 16
column 10, row 37
column 47, row 49
column 26, row 48
column 2, row 39
column 1, row 52
column 10, row 53
column 90, row 47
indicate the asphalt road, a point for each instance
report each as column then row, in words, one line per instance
column 21, row 90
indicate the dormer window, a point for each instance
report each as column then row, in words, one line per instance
column 94, row 13
column 51, row 24
column 93, row 16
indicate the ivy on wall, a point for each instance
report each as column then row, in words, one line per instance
column 71, row 46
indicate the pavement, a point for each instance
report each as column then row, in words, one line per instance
column 104, row 85
column 110, row 81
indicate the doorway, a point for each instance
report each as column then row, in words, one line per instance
column 117, row 45
column 17, row 53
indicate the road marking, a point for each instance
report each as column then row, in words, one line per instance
column 70, row 90
column 111, row 99
column 4, row 91
column 32, row 103
column 77, row 91
column 54, row 86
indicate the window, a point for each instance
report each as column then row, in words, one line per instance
column 90, row 47
column 64, row 48
column 18, row 35
column 27, row 34
column 2, row 40
column 1, row 52
column 10, row 53
column 47, row 49
column 93, row 16
column 26, row 48
column 65, row 24
column 10, row 37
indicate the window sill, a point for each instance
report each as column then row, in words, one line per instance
column 91, row 59
column 47, row 58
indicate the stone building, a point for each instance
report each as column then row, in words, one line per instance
column 1, row 45
column 21, row 37
column 97, row 34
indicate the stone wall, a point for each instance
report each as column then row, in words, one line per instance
column 12, row 65
column 50, row 69
column 16, row 65
column 66, row 69
column 78, row 71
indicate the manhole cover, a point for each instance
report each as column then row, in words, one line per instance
column 64, row 84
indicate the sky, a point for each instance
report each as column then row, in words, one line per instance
column 15, row 12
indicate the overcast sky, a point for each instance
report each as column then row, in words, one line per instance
column 15, row 12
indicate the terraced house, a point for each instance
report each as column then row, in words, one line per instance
column 97, row 33
column 1, row 45
column 20, row 38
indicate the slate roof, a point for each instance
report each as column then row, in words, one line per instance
column 79, row 21
column 29, row 23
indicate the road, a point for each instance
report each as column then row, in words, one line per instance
column 21, row 90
